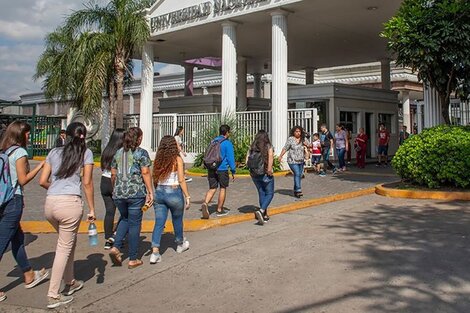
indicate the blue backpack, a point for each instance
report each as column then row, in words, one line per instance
column 7, row 190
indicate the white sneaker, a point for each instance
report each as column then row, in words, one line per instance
column 182, row 247
column 155, row 258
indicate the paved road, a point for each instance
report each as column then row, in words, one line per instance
column 368, row 254
column 242, row 195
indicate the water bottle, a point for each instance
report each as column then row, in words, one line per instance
column 92, row 235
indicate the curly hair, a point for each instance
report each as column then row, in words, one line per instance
column 165, row 160
column 131, row 139
column 302, row 132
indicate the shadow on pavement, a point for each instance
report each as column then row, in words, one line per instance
column 419, row 257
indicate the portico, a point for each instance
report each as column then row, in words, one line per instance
column 261, row 37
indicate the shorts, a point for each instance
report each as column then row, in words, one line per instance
column 218, row 179
column 316, row 159
column 382, row 150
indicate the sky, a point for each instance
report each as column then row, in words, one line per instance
column 23, row 27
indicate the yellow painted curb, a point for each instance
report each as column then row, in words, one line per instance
column 197, row 225
column 43, row 158
column 277, row 174
column 415, row 194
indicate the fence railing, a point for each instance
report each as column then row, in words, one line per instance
column 196, row 126
column 459, row 112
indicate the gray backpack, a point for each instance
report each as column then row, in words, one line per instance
column 212, row 157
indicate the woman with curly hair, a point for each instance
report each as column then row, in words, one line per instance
column 171, row 195
column 295, row 149
column 132, row 181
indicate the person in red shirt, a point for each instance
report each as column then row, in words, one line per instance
column 384, row 139
column 360, row 145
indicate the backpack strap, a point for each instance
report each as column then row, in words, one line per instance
column 9, row 152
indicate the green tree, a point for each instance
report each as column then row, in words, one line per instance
column 432, row 37
column 92, row 52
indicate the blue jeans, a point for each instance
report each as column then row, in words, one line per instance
column 298, row 170
column 10, row 231
column 340, row 153
column 130, row 224
column 168, row 199
column 265, row 186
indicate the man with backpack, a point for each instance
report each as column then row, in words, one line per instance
column 218, row 159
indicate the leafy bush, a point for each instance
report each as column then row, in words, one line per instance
column 439, row 156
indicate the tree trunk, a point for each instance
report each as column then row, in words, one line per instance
column 120, row 92
column 112, row 105
column 445, row 103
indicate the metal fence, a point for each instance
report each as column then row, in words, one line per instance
column 198, row 127
column 459, row 112
column 44, row 131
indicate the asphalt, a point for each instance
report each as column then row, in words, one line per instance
column 242, row 196
column 367, row 254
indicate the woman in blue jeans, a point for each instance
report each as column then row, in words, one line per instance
column 342, row 145
column 260, row 160
column 132, row 181
column 171, row 194
column 295, row 148
column 13, row 145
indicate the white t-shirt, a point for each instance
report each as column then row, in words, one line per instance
column 15, row 156
column 65, row 186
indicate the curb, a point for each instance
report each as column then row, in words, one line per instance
column 43, row 227
column 413, row 194
column 43, row 158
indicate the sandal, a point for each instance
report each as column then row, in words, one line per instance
column 116, row 257
column 3, row 296
column 136, row 264
column 39, row 276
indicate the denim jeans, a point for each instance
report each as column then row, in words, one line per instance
column 168, row 198
column 130, row 224
column 265, row 186
column 10, row 231
column 298, row 170
column 340, row 153
column 326, row 160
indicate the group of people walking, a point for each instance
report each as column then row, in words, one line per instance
column 132, row 183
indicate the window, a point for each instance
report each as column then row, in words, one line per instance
column 349, row 120
column 387, row 120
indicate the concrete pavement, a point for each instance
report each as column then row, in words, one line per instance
column 368, row 254
column 242, row 195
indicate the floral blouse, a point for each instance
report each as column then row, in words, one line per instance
column 295, row 151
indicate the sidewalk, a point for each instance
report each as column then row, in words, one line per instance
column 242, row 196
column 368, row 254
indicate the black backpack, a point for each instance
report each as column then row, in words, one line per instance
column 256, row 163
column 212, row 158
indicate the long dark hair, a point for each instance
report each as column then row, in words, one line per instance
column 73, row 150
column 165, row 159
column 178, row 131
column 132, row 139
column 15, row 134
column 114, row 144
column 262, row 144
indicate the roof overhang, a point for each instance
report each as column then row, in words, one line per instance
column 321, row 33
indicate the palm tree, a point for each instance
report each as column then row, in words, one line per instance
column 123, row 24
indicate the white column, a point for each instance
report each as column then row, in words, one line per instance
column 385, row 73
column 267, row 90
column 407, row 111
column 279, row 76
column 131, row 104
column 105, row 129
column 309, row 76
column 56, row 108
column 38, row 109
column 241, row 74
column 419, row 117
column 432, row 108
column 229, row 68
column 146, row 97
column 257, row 85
